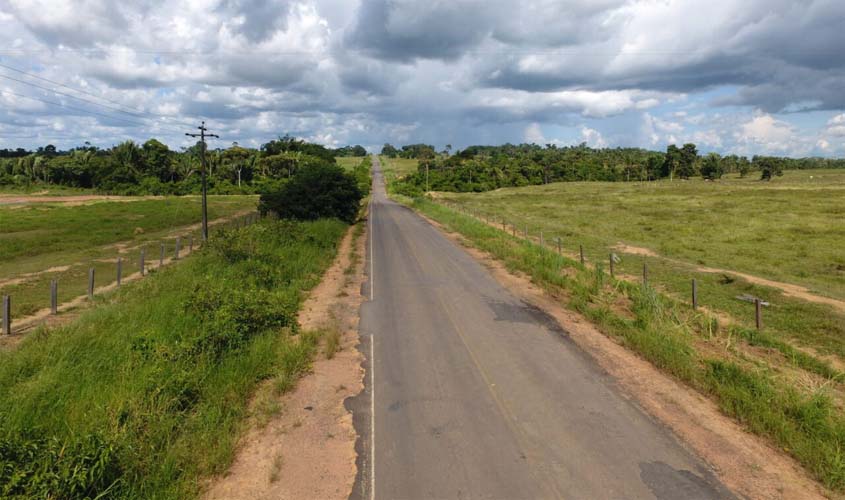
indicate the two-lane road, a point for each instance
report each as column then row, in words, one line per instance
column 473, row 394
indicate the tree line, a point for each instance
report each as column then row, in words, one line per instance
column 153, row 168
column 483, row 168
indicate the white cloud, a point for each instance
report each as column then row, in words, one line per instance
column 534, row 134
column 592, row 137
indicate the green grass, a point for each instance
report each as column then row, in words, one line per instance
column 41, row 189
column 349, row 162
column 719, row 362
column 785, row 230
column 142, row 398
column 40, row 236
column 395, row 168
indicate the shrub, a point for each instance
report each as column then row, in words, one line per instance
column 321, row 191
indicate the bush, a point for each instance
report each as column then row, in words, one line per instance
column 321, row 191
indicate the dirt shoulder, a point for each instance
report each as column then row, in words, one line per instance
column 307, row 449
column 745, row 463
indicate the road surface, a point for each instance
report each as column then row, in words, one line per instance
column 471, row 393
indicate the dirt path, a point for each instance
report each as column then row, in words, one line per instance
column 71, row 201
column 308, row 449
column 745, row 463
column 788, row 289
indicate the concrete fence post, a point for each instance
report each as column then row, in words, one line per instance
column 190, row 243
column 178, row 247
column 542, row 242
column 91, row 283
column 7, row 315
column 611, row 265
column 54, row 297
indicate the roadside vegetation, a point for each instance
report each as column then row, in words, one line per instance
column 142, row 398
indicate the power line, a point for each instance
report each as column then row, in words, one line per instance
column 134, row 112
column 82, row 110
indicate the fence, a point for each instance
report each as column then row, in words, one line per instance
column 556, row 244
column 171, row 250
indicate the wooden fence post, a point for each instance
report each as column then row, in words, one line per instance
column 611, row 265
column 559, row 252
column 54, row 297
column 141, row 265
column 694, row 294
column 119, row 270
column 190, row 243
column 758, row 314
column 161, row 256
column 542, row 242
column 645, row 273
column 91, row 283
column 7, row 315
column 581, row 251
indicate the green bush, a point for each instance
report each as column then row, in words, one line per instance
column 322, row 191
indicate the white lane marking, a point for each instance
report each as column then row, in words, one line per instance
column 372, row 419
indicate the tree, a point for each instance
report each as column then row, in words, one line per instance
column 322, row 191
column 688, row 158
column 156, row 159
column 389, row 151
column 743, row 166
column 711, row 167
column 672, row 161
column 769, row 167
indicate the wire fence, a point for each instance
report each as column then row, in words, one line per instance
column 105, row 275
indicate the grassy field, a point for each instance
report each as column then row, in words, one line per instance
column 395, row 168
column 143, row 398
column 793, row 397
column 44, row 241
column 349, row 162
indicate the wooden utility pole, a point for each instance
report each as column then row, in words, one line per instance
column 202, row 135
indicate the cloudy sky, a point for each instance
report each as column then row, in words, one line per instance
column 741, row 76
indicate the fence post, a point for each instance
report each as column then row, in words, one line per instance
column 504, row 225
column 54, row 297
column 119, row 270
column 694, row 294
column 542, row 242
column 758, row 314
column 190, row 243
column 526, row 232
column 91, row 283
column 558, row 246
column 581, row 251
column 645, row 273
column 178, row 245
column 161, row 256
column 7, row 315
column 141, row 266
column 611, row 265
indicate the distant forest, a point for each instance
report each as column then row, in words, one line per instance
column 153, row 168
column 483, row 168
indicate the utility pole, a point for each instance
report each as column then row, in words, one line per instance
column 202, row 135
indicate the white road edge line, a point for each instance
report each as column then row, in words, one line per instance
column 370, row 219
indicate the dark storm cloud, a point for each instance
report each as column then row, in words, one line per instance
column 404, row 30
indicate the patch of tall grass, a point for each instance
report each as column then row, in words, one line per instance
column 146, row 394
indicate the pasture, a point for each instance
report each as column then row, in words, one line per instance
column 42, row 241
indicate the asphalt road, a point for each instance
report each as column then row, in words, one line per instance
column 471, row 393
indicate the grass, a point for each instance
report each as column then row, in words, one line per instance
column 41, row 189
column 143, row 398
column 61, row 242
column 395, row 168
column 750, row 375
column 783, row 230
column 349, row 162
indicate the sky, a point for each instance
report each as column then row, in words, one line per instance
column 743, row 77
